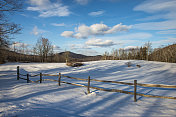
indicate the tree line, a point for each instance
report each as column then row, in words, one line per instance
column 42, row 51
column 164, row 54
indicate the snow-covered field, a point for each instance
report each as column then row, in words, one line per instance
column 21, row 99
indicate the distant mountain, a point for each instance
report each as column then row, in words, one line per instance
column 73, row 55
column 79, row 57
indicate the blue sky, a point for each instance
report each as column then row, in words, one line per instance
column 92, row 27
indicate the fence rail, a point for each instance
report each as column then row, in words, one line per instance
column 74, row 78
column 34, row 75
column 157, row 85
column 112, row 82
column 97, row 88
column 23, row 74
column 23, row 78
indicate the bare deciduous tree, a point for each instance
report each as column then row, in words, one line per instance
column 7, row 28
column 43, row 48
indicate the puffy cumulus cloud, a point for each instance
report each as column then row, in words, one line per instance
column 99, row 29
column 84, row 31
column 48, row 9
column 96, row 13
column 100, row 43
column 118, row 28
column 67, row 34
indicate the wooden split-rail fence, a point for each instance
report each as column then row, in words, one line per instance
column 135, row 84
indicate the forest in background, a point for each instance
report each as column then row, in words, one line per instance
column 164, row 54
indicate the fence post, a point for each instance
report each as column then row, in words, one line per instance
column 40, row 77
column 59, row 79
column 18, row 73
column 27, row 78
column 135, row 89
column 88, row 86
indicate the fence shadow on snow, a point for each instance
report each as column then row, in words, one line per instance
column 135, row 84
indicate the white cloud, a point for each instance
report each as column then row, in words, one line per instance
column 159, row 9
column 153, row 6
column 82, row 2
column 83, row 49
column 79, row 46
column 48, row 9
column 19, row 44
column 118, row 28
column 130, row 47
column 56, row 48
column 100, row 43
column 84, row 31
column 99, row 29
column 96, row 13
column 163, row 25
column 56, row 24
column 132, row 36
column 167, row 32
column 168, row 40
column 67, row 34
column 37, row 31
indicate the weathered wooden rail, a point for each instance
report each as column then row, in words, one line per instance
column 135, row 84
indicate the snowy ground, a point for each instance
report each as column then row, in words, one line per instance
column 19, row 99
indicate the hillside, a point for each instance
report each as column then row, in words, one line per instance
column 11, row 56
column 79, row 57
column 20, row 99
column 73, row 55
column 165, row 54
